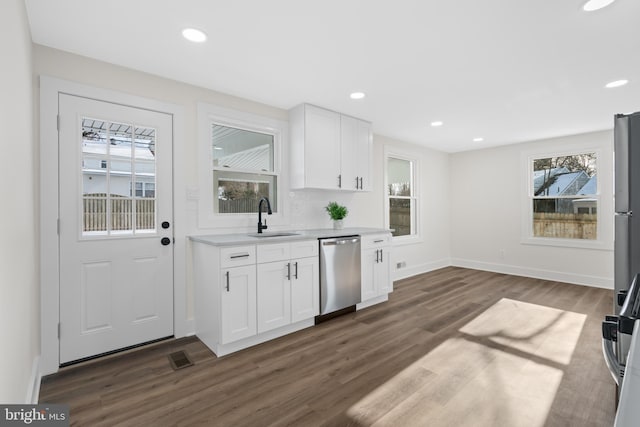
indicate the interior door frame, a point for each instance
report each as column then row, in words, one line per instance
column 50, row 88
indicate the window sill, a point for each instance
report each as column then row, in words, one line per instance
column 568, row 243
column 406, row 240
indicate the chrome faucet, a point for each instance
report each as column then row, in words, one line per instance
column 269, row 212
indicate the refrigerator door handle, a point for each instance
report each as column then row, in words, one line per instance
column 621, row 259
column 621, row 149
column 609, row 329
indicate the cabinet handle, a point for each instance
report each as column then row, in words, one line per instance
column 239, row 256
column 288, row 271
column 377, row 256
column 296, row 273
column 227, row 274
column 378, row 241
column 361, row 183
column 357, row 183
column 381, row 259
column 340, row 181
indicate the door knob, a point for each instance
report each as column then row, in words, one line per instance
column 165, row 241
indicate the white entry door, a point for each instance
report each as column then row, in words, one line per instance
column 116, row 239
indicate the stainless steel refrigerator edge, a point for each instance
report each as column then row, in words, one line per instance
column 627, row 202
column 340, row 273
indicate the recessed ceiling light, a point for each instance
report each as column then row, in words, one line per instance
column 194, row 35
column 357, row 95
column 436, row 124
column 617, row 83
column 592, row 5
column 478, row 139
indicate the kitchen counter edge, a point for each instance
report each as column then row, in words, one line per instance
column 246, row 239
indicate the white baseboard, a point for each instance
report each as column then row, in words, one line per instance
column 558, row 276
column 420, row 269
column 33, row 388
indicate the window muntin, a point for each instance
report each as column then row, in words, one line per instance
column 564, row 197
column 401, row 196
column 243, row 169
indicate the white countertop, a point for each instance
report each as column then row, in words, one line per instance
column 248, row 239
column 628, row 409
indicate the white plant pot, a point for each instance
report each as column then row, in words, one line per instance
column 338, row 224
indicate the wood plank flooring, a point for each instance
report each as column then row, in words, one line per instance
column 447, row 349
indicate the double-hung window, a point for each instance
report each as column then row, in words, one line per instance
column 564, row 196
column 243, row 169
column 401, row 196
column 239, row 162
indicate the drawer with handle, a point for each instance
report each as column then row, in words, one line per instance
column 237, row 255
column 375, row 240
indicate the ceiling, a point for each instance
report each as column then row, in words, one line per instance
column 504, row 70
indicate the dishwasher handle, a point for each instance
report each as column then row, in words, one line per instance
column 341, row 242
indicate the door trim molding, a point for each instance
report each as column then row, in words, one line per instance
column 50, row 87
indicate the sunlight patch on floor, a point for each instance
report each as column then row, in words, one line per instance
column 504, row 370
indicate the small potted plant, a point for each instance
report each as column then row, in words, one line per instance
column 337, row 213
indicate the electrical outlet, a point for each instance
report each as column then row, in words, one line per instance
column 400, row 265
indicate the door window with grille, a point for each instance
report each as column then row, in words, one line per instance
column 118, row 178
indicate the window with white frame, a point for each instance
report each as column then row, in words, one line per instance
column 564, row 196
column 402, row 203
column 243, row 169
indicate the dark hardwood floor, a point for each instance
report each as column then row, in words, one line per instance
column 419, row 359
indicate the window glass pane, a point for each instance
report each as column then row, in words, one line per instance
column 240, row 192
column 94, row 154
column 121, row 215
column 399, row 177
column 401, row 216
column 145, row 155
column 94, row 136
column 120, row 146
column 565, row 197
column 565, row 218
column 242, row 149
column 145, row 214
column 94, row 217
column 565, row 176
column 144, row 150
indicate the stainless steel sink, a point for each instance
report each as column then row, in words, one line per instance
column 274, row 234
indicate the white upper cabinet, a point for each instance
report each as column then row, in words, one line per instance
column 356, row 150
column 329, row 150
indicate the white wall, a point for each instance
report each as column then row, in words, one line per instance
column 487, row 214
column 306, row 207
column 19, row 306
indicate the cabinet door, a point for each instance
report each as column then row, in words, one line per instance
column 348, row 153
column 274, row 296
column 305, row 288
column 369, row 282
column 384, row 285
column 364, row 154
column 322, row 148
column 238, row 303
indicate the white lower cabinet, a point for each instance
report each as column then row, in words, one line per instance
column 305, row 291
column 288, row 289
column 246, row 295
column 376, row 266
column 274, row 296
column 238, row 304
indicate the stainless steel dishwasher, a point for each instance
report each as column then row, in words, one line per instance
column 339, row 273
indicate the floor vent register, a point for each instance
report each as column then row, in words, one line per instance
column 180, row 359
